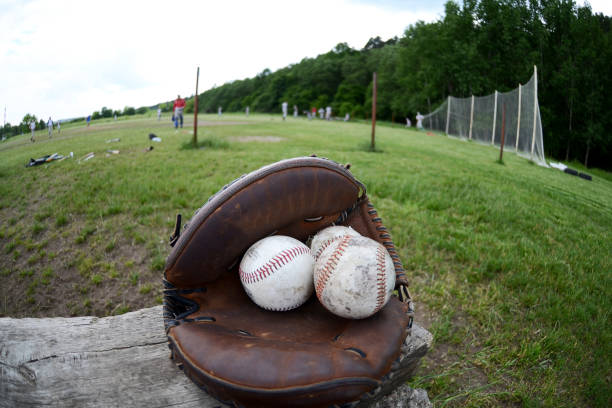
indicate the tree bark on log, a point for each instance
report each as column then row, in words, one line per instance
column 121, row 361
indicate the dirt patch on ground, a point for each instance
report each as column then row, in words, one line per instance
column 71, row 271
column 266, row 139
column 455, row 362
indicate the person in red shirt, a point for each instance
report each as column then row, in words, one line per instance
column 179, row 106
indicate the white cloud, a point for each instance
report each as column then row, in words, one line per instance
column 598, row 6
column 68, row 58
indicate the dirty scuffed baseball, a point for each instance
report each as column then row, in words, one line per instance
column 354, row 277
column 327, row 236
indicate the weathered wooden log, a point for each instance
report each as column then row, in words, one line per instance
column 123, row 361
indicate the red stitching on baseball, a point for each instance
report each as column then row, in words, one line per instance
column 324, row 246
column 380, row 279
column 331, row 263
column 271, row 266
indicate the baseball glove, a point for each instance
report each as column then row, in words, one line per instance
column 246, row 356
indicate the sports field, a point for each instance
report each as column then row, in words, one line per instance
column 510, row 264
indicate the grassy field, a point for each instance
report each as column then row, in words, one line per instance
column 510, row 263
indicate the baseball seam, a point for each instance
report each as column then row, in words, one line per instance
column 281, row 309
column 274, row 264
column 331, row 264
column 324, row 246
column 381, row 278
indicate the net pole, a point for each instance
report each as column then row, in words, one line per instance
column 429, row 107
column 503, row 133
column 195, row 111
column 518, row 121
column 373, row 110
column 494, row 119
column 471, row 117
column 448, row 113
column 535, row 108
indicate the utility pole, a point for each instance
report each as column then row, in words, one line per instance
column 373, row 111
column 195, row 112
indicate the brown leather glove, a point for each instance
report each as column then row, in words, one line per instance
column 247, row 356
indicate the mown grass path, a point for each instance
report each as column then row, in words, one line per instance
column 510, row 264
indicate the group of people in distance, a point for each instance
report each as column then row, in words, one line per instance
column 179, row 106
column 49, row 128
column 419, row 119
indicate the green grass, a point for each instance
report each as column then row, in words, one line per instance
column 510, row 264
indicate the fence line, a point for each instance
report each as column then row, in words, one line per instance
column 476, row 118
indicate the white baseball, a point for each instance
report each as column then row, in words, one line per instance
column 276, row 272
column 354, row 277
column 326, row 236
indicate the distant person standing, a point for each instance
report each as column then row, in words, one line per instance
column 328, row 112
column 88, row 120
column 408, row 122
column 115, row 117
column 220, row 111
column 247, row 111
column 177, row 109
column 321, row 113
column 295, row 111
column 284, row 106
column 50, row 127
column 33, row 128
column 58, row 127
column 419, row 119
column 158, row 113
column 347, row 117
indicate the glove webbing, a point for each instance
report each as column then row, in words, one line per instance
column 176, row 307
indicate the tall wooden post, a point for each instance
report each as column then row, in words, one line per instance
column 195, row 112
column 518, row 120
column 494, row 119
column 373, row 111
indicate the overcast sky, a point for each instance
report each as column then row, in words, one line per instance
column 66, row 59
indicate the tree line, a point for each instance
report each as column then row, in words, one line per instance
column 476, row 48
column 9, row 130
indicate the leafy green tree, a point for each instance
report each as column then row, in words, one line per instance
column 106, row 113
column 27, row 119
column 189, row 105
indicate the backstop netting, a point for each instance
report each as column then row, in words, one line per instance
column 482, row 119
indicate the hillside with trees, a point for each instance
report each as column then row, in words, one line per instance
column 474, row 49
